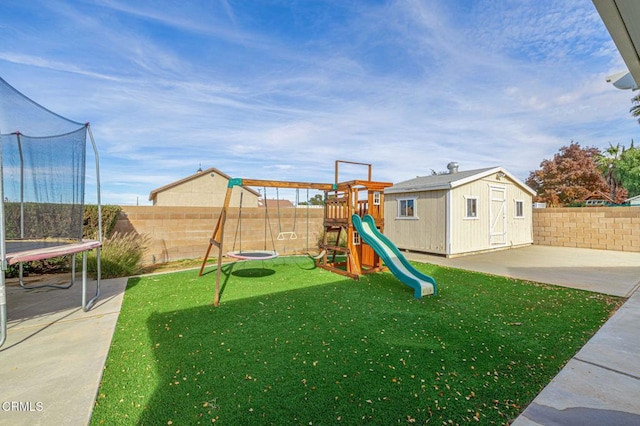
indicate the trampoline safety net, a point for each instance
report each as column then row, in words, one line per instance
column 43, row 169
column 42, row 180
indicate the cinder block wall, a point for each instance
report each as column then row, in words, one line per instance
column 603, row 228
column 177, row 233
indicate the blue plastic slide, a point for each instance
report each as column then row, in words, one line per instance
column 393, row 259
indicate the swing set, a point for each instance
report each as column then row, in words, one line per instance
column 342, row 201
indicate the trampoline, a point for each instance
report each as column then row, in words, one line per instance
column 42, row 192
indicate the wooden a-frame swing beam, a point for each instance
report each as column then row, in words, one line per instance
column 281, row 184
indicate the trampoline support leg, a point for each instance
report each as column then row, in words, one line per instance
column 56, row 286
column 86, row 306
column 3, row 311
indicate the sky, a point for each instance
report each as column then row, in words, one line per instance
column 279, row 90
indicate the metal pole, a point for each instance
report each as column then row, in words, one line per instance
column 20, row 265
column 3, row 259
column 88, row 305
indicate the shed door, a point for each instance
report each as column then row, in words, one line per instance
column 498, row 215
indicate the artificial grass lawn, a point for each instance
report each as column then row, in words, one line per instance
column 292, row 344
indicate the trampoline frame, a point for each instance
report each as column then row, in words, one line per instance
column 50, row 250
column 63, row 249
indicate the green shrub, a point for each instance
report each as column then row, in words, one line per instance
column 42, row 220
column 110, row 215
column 577, row 204
column 40, row 217
column 121, row 255
column 13, row 271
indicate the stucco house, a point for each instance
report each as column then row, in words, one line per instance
column 205, row 188
column 460, row 212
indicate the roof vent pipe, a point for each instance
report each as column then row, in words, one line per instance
column 453, row 167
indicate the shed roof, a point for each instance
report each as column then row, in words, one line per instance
column 451, row 180
column 154, row 193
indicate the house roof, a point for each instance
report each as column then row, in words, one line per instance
column 637, row 197
column 451, row 180
column 274, row 203
column 622, row 19
column 598, row 195
column 199, row 173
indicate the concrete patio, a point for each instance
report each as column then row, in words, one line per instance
column 52, row 361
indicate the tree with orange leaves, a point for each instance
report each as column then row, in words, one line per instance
column 569, row 177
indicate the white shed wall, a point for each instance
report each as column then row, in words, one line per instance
column 426, row 232
column 471, row 235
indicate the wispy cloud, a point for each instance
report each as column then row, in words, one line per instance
column 281, row 90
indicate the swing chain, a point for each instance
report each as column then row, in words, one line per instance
column 287, row 235
column 238, row 226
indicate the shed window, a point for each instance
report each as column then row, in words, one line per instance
column 471, row 208
column 406, row 208
column 519, row 208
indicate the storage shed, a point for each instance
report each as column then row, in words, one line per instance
column 460, row 212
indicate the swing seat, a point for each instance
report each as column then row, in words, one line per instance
column 287, row 235
column 253, row 254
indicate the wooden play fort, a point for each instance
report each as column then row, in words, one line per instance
column 353, row 210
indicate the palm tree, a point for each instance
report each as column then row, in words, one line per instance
column 635, row 109
column 608, row 162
